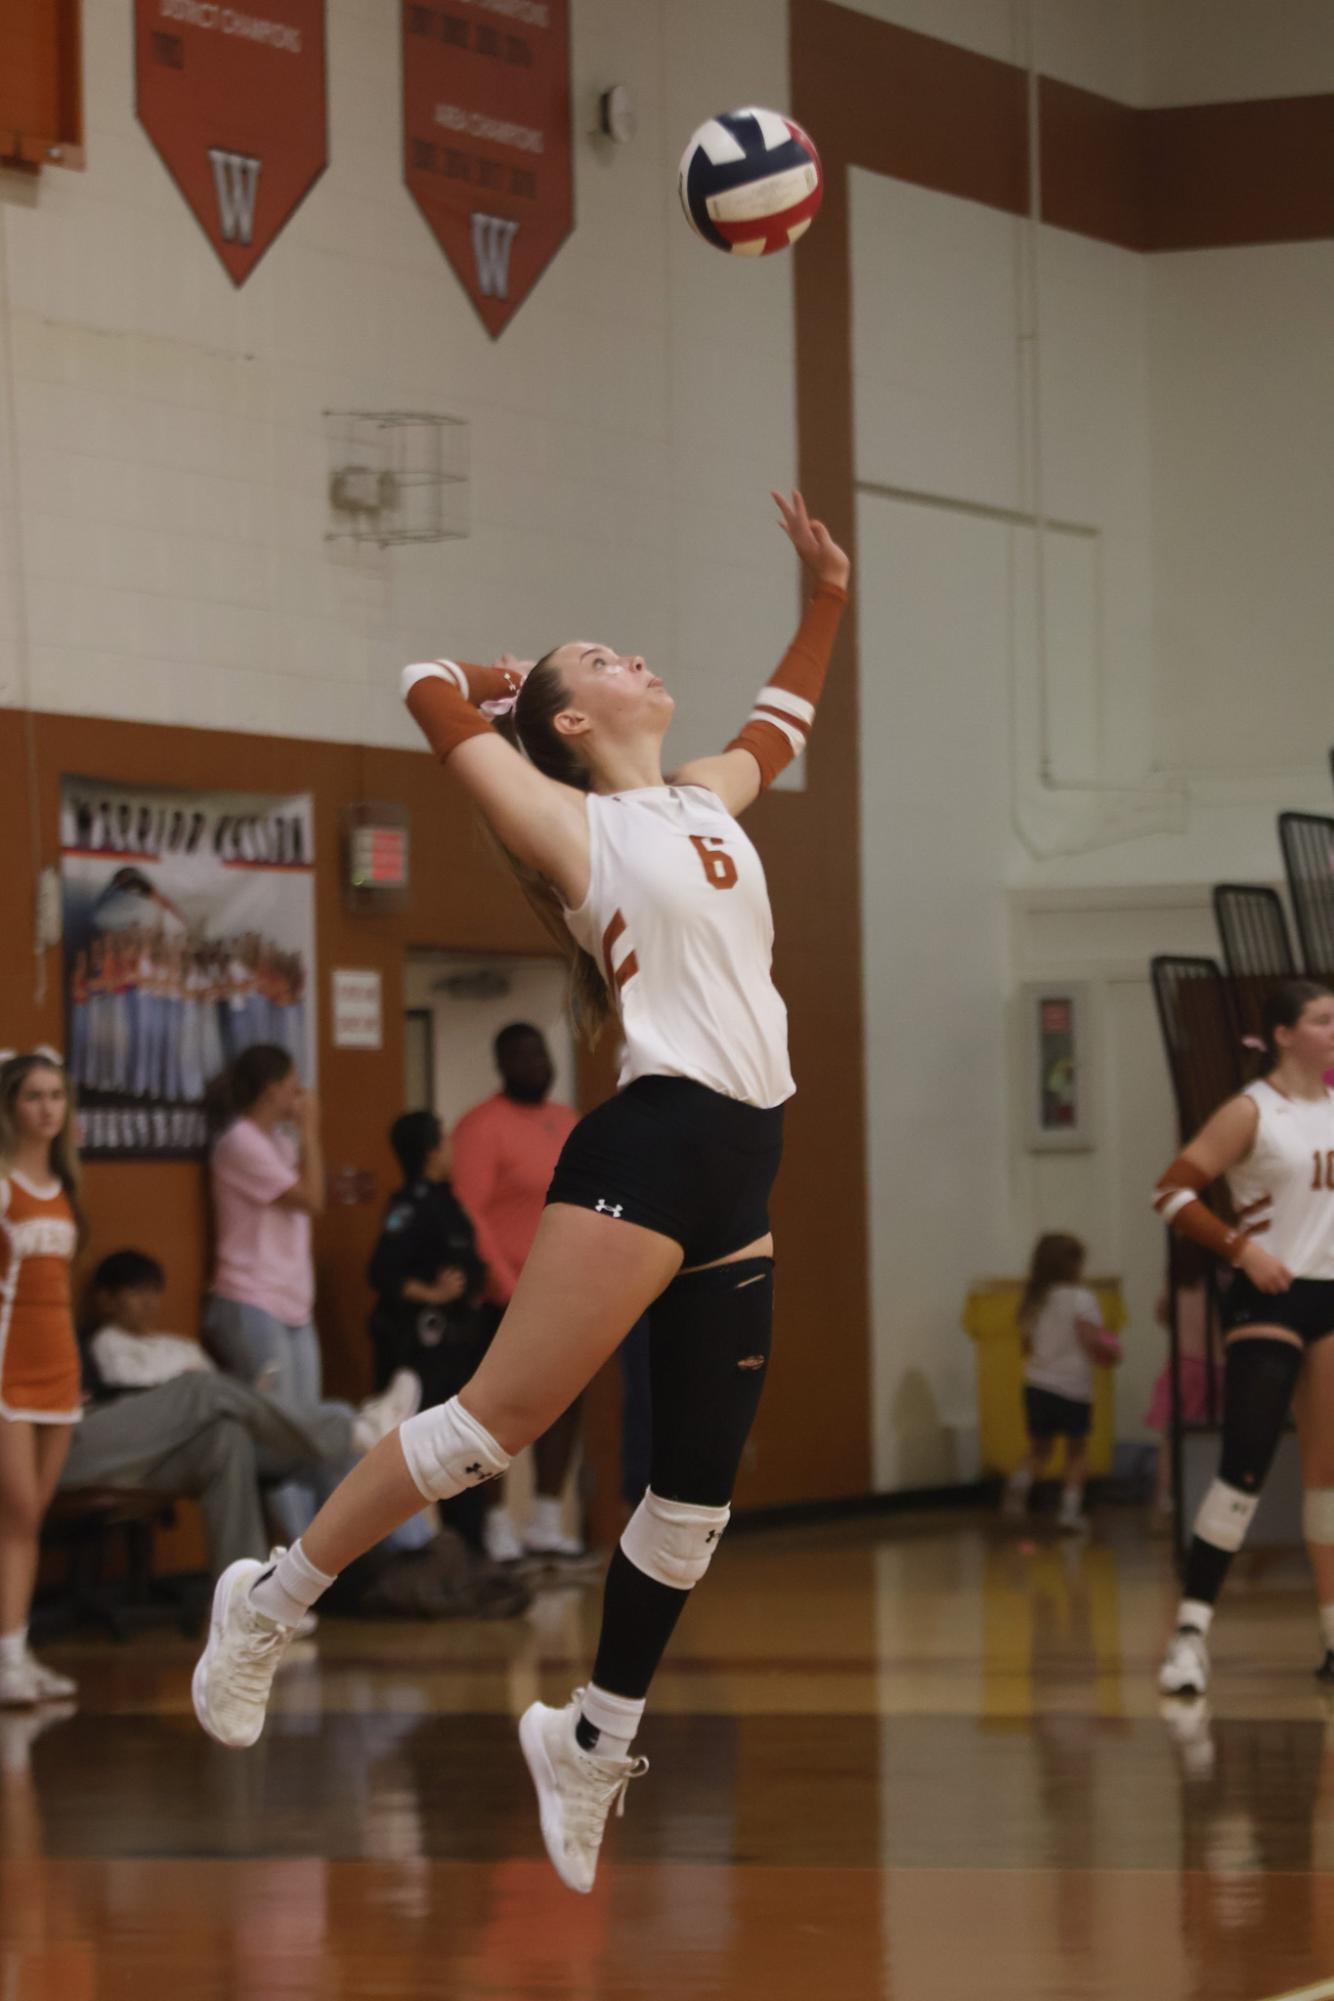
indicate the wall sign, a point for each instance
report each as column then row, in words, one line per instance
column 1057, row 1067
column 235, row 101
column 358, row 1009
column 486, row 140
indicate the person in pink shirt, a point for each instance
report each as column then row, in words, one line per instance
column 267, row 1174
column 505, row 1153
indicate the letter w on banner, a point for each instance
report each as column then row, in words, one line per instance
column 486, row 140
column 235, row 99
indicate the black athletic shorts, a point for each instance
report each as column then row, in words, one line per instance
column 677, row 1158
column 1049, row 1415
column 1305, row 1309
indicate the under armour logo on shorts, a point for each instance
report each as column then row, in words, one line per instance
column 608, row 1208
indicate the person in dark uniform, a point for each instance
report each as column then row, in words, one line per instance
column 428, row 1281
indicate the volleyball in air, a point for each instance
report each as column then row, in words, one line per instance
column 751, row 182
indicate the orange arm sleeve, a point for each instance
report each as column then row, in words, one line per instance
column 442, row 697
column 1177, row 1200
column 779, row 724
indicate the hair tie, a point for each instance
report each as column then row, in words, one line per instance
column 504, row 707
column 1254, row 1042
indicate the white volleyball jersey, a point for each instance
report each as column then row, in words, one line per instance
column 677, row 916
column 1283, row 1192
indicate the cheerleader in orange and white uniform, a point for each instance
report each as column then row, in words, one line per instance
column 39, row 1356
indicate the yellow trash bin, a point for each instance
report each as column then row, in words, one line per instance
column 989, row 1317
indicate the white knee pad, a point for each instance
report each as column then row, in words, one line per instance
column 447, row 1450
column 1318, row 1514
column 1225, row 1515
column 673, row 1541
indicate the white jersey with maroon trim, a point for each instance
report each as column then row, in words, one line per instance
column 677, row 916
column 1283, row 1192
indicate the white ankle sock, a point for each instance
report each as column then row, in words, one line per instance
column 14, row 1647
column 287, row 1592
column 1194, row 1612
column 615, row 1719
column 1071, row 1500
column 1327, row 1625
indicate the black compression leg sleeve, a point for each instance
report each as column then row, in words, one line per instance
column 710, row 1336
column 1260, row 1375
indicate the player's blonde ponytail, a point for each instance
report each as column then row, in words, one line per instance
column 530, row 727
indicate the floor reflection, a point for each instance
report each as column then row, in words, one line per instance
column 898, row 1761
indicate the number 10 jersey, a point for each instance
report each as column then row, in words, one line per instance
column 677, row 916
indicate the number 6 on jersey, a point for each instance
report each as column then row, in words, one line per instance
column 719, row 867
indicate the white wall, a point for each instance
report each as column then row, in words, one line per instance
column 1243, row 461
column 173, row 463
column 1220, row 51
column 1095, row 44
column 956, row 813
column 1182, row 459
column 1146, row 52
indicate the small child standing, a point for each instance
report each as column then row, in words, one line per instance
column 1063, row 1335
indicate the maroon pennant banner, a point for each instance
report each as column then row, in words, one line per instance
column 486, row 140
column 235, row 99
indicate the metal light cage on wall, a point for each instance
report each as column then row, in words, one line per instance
column 397, row 476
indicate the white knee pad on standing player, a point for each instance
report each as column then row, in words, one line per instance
column 1318, row 1514
column 1225, row 1515
column 447, row 1450
column 673, row 1541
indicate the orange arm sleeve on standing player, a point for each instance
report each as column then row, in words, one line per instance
column 780, row 722
column 1177, row 1200
column 444, row 699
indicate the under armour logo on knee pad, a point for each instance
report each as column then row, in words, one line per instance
column 478, row 1473
column 608, row 1208
column 713, row 1535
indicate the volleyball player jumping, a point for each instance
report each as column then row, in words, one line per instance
column 1274, row 1142
column 660, row 1197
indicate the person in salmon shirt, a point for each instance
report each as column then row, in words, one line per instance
column 505, row 1153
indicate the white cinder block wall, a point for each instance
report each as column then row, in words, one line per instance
column 172, row 461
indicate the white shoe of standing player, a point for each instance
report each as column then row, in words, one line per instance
column 378, row 1416
column 234, row 1674
column 52, row 1687
column 576, row 1790
column 1185, row 1668
column 18, row 1685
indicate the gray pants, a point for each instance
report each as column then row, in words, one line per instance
column 285, row 1362
column 213, row 1439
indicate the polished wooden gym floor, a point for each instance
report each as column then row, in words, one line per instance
column 914, row 1758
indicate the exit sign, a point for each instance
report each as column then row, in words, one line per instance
column 378, row 858
column 375, row 857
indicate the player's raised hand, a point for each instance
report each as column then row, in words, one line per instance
column 818, row 550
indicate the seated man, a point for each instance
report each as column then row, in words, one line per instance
column 162, row 1417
